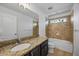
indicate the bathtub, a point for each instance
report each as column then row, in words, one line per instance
column 60, row 44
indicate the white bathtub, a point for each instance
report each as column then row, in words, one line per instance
column 60, row 44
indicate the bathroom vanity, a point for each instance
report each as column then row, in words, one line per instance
column 40, row 50
column 39, row 47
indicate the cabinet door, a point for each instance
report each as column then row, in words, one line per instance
column 44, row 48
column 36, row 51
column 44, row 51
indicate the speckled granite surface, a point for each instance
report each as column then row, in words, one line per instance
column 6, row 50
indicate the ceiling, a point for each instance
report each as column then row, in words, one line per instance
column 43, row 7
column 16, row 7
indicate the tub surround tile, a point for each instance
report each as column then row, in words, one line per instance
column 63, row 31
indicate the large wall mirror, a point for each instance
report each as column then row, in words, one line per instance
column 25, row 26
column 14, row 25
column 8, row 26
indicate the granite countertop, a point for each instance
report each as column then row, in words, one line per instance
column 6, row 50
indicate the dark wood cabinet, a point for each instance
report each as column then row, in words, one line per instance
column 44, row 48
column 41, row 50
column 36, row 51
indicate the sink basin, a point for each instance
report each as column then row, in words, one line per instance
column 21, row 47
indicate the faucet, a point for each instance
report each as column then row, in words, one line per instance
column 18, row 39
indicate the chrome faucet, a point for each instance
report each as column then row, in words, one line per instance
column 18, row 39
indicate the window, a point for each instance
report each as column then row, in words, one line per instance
column 62, row 20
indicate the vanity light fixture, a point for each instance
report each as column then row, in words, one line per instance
column 24, row 5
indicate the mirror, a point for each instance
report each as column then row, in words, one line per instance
column 15, row 24
column 25, row 26
column 13, row 27
column 8, row 26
